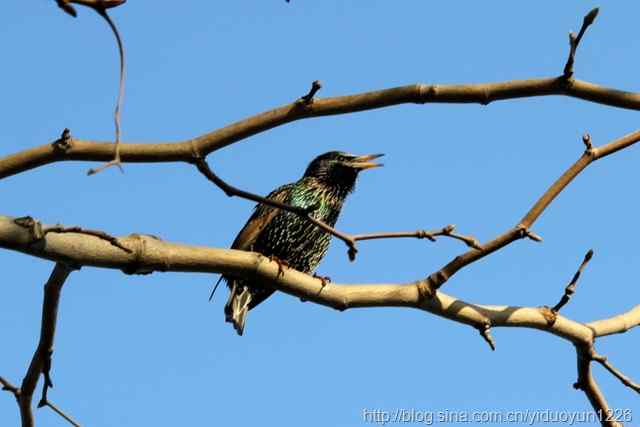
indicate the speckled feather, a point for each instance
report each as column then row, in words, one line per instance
column 285, row 235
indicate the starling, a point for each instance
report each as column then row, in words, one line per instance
column 288, row 238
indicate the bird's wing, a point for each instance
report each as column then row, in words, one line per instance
column 262, row 216
column 240, row 300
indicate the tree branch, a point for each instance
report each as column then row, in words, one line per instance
column 574, row 41
column 591, row 154
column 86, row 150
column 422, row 234
column 148, row 254
column 349, row 239
column 590, row 387
column 117, row 113
column 8, row 386
column 100, row 7
column 38, row 231
column 616, row 372
column 138, row 254
column 571, row 287
column 617, row 324
column 41, row 361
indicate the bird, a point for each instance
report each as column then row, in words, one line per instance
column 289, row 239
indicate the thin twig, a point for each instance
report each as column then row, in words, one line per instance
column 438, row 278
column 8, row 386
column 100, row 7
column 571, row 287
column 96, row 233
column 41, row 361
column 231, row 191
column 38, row 232
column 422, row 234
column 616, row 372
column 61, row 413
column 348, row 239
column 90, row 150
column 590, row 387
column 574, row 41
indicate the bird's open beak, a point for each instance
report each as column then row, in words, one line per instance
column 364, row 162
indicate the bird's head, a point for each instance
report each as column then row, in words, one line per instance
column 340, row 169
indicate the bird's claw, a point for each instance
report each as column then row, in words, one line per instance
column 281, row 264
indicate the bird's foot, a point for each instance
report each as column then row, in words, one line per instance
column 324, row 279
column 281, row 264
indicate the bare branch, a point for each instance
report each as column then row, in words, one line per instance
column 85, row 150
column 616, row 372
column 231, row 191
column 590, row 387
column 617, row 324
column 41, row 361
column 571, row 287
column 102, row 11
column 438, row 278
column 58, row 411
column 96, row 233
column 156, row 255
column 38, row 231
column 8, row 386
column 348, row 239
column 71, row 246
column 422, row 234
column 574, row 41
column 150, row 254
column 100, row 7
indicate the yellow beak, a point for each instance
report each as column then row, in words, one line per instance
column 364, row 162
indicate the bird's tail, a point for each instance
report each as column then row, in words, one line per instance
column 237, row 306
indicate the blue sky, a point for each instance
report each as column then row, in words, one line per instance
column 150, row 350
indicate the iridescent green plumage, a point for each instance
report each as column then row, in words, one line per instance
column 328, row 180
